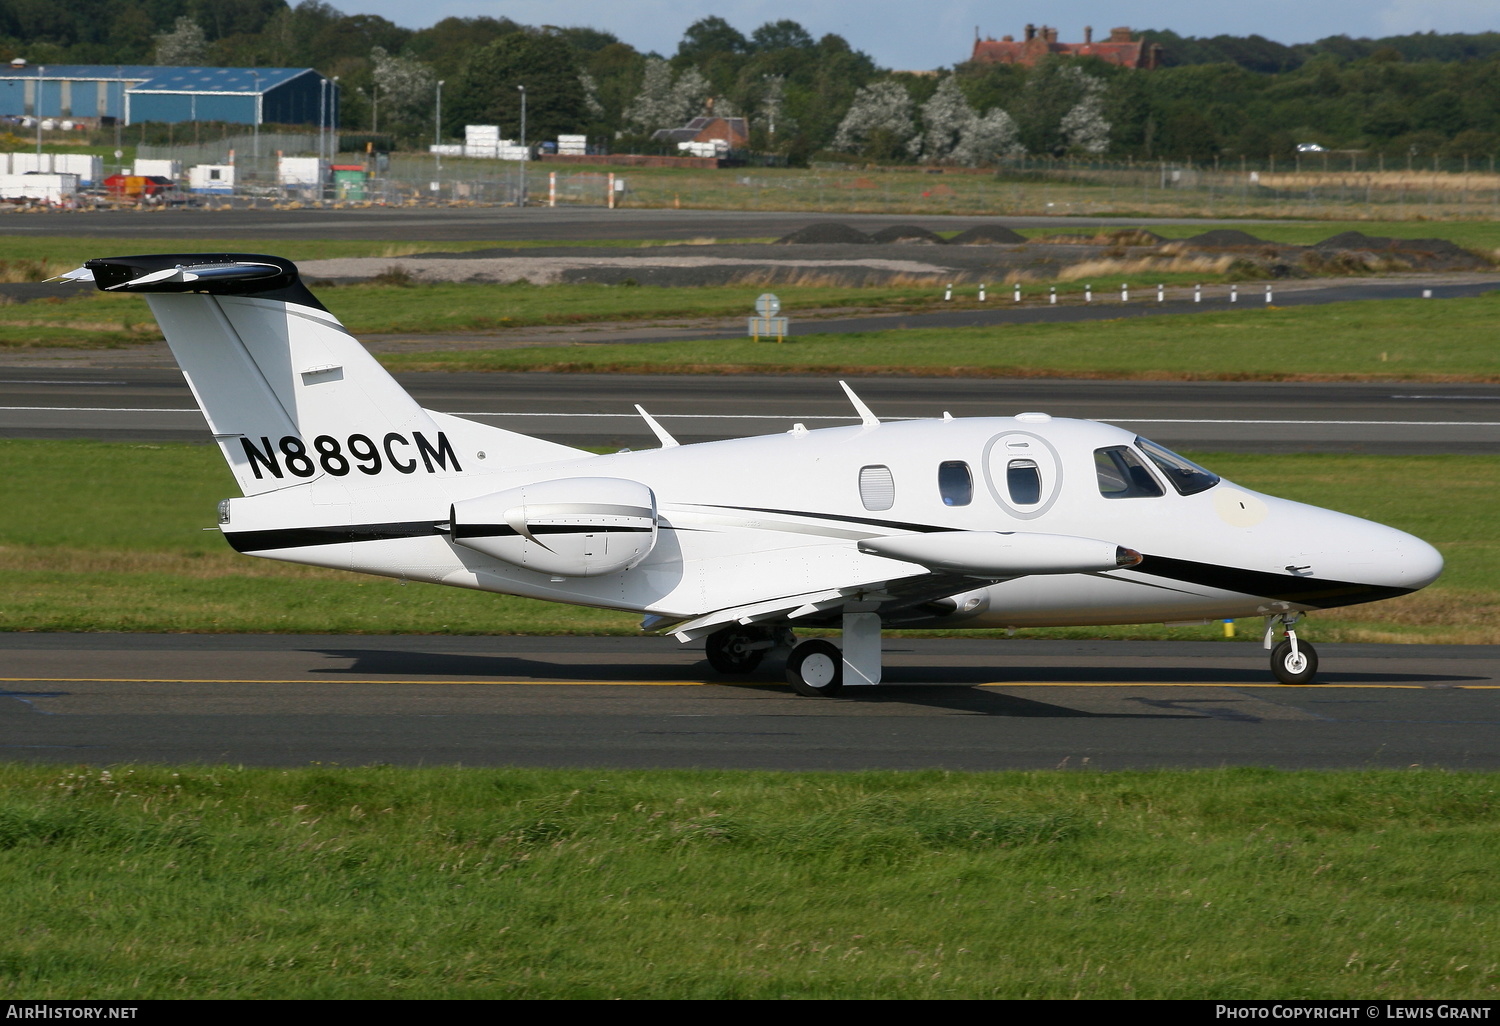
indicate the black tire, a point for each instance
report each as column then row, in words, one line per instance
column 729, row 650
column 815, row 669
column 1298, row 671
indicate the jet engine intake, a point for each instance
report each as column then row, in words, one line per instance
column 574, row 527
column 1003, row 554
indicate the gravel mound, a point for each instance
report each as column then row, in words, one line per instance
column 1418, row 254
column 908, row 234
column 1223, row 238
column 987, row 235
column 828, row 233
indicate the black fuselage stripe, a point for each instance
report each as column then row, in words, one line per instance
column 1307, row 591
column 309, row 537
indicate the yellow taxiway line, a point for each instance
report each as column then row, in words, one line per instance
column 704, row 683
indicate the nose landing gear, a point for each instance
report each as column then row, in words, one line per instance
column 1292, row 661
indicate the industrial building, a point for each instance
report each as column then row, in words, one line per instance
column 1120, row 48
column 131, row 94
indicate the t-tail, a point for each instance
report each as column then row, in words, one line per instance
column 289, row 394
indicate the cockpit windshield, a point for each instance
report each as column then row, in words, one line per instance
column 1186, row 476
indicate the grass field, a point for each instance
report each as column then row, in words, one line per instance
column 226, row 882
column 1422, row 340
column 111, row 537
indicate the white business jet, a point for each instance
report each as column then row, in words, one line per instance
column 993, row 522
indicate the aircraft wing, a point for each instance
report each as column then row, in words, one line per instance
column 813, row 607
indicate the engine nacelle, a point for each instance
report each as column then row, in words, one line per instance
column 574, row 527
column 1003, row 554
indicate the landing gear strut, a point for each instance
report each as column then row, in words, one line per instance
column 739, row 649
column 819, row 668
column 1292, row 661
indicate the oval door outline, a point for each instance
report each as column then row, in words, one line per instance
column 1036, row 448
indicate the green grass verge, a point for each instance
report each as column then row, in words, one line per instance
column 227, row 882
column 111, row 537
column 1392, row 339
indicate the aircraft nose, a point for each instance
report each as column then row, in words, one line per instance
column 1417, row 561
column 1385, row 557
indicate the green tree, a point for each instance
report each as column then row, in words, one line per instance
column 487, row 92
column 709, row 36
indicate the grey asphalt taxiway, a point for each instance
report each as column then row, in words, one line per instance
column 154, row 405
column 649, row 702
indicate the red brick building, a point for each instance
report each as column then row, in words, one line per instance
column 1119, row 48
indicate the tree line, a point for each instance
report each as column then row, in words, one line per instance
column 1402, row 98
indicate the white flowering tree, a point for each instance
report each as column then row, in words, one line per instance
column 988, row 138
column 185, row 46
column 407, row 87
column 664, row 103
column 946, row 119
column 1084, row 127
column 879, row 123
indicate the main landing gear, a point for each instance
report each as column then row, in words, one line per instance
column 1292, row 661
column 739, row 649
column 816, row 667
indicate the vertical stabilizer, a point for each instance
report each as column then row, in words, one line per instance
column 288, row 393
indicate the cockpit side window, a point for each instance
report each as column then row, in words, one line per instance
column 1186, row 476
column 955, row 483
column 1024, row 482
column 1122, row 475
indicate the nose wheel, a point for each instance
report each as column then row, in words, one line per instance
column 1292, row 661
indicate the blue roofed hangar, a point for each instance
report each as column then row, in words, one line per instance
column 138, row 93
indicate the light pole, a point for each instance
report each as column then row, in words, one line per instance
column 256, row 76
column 322, row 118
column 40, row 70
column 333, row 120
column 437, row 125
column 521, row 194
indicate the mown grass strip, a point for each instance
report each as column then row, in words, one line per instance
column 323, row 882
column 150, row 565
column 1412, row 340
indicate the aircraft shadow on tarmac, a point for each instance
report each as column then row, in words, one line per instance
column 951, row 688
column 368, row 662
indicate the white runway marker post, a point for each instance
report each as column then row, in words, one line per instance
column 1124, row 293
column 948, row 293
column 1234, row 293
column 1088, row 293
column 1018, row 292
column 1197, row 293
column 981, row 292
column 1161, row 294
column 1052, row 296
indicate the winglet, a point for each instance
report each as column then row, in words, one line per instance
column 866, row 418
column 667, row 441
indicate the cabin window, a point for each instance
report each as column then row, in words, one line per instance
column 1024, row 482
column 1122, row 475
column 1186, row 476
column 877, row 489
column 955, row 483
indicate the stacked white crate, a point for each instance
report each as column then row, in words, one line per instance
column 171, row 169
column 481, row 140
column 573, row 145
column 50, row 188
